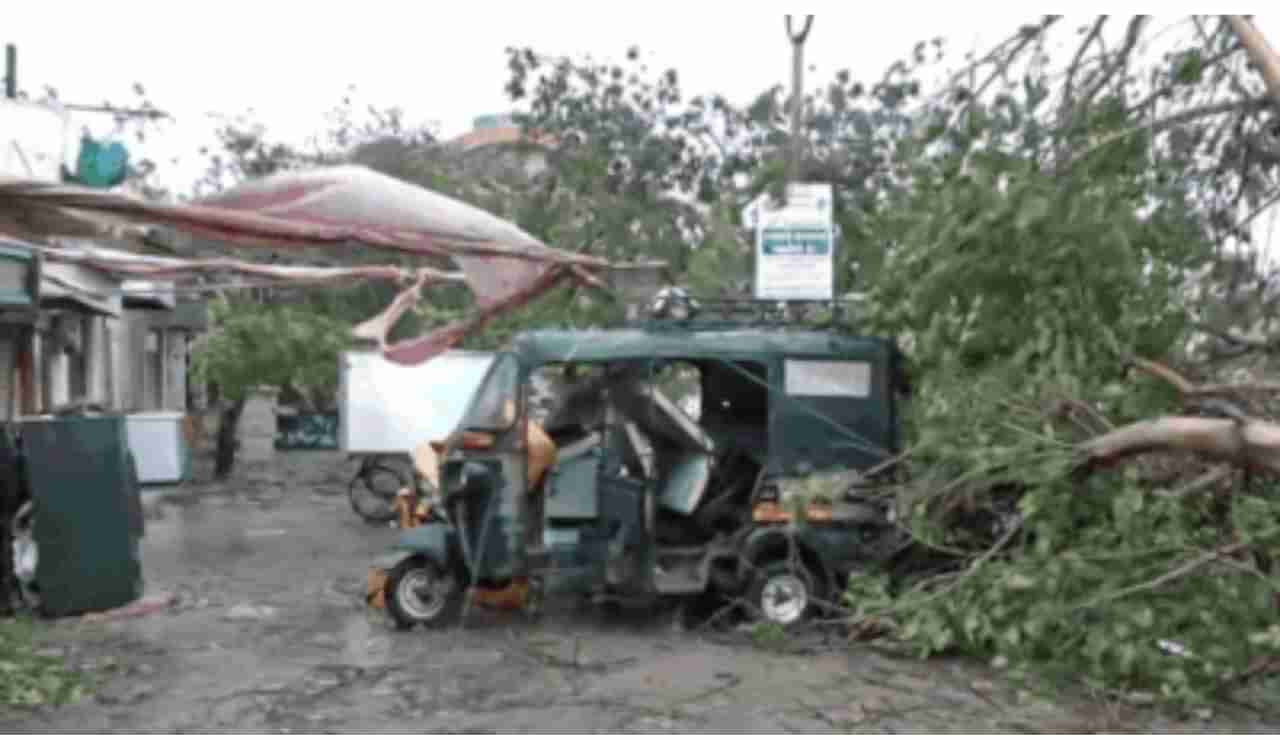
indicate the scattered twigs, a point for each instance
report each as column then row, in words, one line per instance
column 1068, row 88
column 1025, row 36
column 1165, row 90
column 1262, row 207
column 1263, row 665
column 1164, row 373
column 1173, row 119
column 1077, row 411
column 1187, row 388
column 1121, row 59
column 956, row 581
column 1244, row 343
column 1181, row 571
column 1207, row 480
column 997, row 52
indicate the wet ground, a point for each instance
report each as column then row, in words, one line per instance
column 270, row 633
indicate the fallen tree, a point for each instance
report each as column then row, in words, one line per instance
column 1068, row 518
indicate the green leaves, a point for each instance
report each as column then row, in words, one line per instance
column 253, row 345
column 1020, row 290
column 28, row 679
column 1188, row 67
column 1034, row 210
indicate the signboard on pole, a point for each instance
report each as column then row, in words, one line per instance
column 795, row 245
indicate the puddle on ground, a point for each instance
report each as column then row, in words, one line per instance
column 195, row 534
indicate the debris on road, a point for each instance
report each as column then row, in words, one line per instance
column 375, row 592
column 140, row 608
column 249, row 612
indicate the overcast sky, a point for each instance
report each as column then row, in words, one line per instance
column 291, row 61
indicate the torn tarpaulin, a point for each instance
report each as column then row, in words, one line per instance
column 504, row 266
column 145, row 266
column 422, row 348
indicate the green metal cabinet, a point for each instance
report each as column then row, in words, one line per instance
column 88, row 511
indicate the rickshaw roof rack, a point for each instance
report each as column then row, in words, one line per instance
column 734, row 313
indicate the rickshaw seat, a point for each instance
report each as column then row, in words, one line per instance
column 686, row 482
column 658, row 417
column 580, row 447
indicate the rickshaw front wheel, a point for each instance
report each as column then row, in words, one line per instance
column 421, row 592
column 784, row 593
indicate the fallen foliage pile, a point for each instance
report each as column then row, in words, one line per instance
column 28, row 678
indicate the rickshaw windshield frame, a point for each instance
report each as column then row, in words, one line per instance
column 493, row 406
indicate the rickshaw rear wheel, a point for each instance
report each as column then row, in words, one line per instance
column 420, row 591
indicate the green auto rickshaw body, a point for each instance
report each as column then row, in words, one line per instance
column 644, row 501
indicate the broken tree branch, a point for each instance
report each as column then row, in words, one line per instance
column 1264, row 344
column 1187, row 388
column 1262, row 208
column 1167, row 89
column 1209, row 39
column 1068, row 88
column 1263, row 56
column 1026, row 35
column 1122, row 59
column 1249, row 442
column 1175, row 119
column 958, row 578
column 1206, row 481
column 1181, row 571
column 993, row 55
column 1165, row 373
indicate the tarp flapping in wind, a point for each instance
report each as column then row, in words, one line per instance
column 504, row 266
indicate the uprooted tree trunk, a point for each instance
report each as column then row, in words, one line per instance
column 228, row 424
column 1239, row 439
column 1248, row 442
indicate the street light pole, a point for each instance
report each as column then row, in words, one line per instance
column 797, row 96
column 10, row 71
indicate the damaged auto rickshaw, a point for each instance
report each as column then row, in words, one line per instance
column 755, row 491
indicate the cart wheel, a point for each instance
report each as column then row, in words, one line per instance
column 420, row 592
column 784, row 593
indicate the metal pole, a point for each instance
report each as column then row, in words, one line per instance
column 10, row 71
column 797, row 96
column 796, row 144
column 131, row 112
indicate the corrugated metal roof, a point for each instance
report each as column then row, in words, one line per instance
column 498, row 135
column 80, row 286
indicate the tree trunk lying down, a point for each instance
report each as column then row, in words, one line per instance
column 1248, row 442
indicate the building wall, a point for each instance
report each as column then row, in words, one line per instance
column 118, row 344
column 98, row 367
column 8, row 375
column 73, row 362
column 150, row 364
column 58, row 377
column 175, row 366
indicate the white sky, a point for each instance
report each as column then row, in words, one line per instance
column 292, row 61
